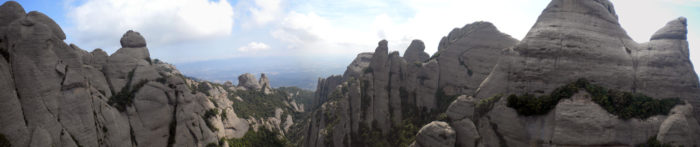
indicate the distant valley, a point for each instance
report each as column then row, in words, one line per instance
column 282, row 71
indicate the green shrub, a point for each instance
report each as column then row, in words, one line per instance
column 212, row 145
column 625, row 105
column 203, row 87
column 261, row 138
column 485, row 105
column 653, row 142
column 369, row 70
column 224, row 115
column 207, row 115
column 258, row 104
column 4, row 142
column 125, row 97
column 443, row 100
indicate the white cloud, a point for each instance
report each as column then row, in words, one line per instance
column 102, row 22
column 398, row 22
column 634, row 19
column 266, row 11
column 312, row 34
column 254, row 46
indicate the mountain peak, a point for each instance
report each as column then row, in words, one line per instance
column 674, row 29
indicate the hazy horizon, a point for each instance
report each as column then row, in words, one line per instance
column 217, row 40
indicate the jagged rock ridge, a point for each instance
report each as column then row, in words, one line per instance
column 571, row 39
column 56, row 94
column 381, row 90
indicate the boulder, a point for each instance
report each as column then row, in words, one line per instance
column 132, row 39
column 462, row 107
column 680, row 128
column 436, row 133
column 128, row 60
column 466, row 133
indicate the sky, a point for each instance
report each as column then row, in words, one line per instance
column 307, row 31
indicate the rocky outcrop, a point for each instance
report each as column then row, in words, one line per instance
column 595, row 47
column 435, row 134
column 415, row 52
column 265, row 84
column 383, row 89
column 571, row 40
column 248, row 81
column 324, row 88
column 676, row 30
column 680, row 128
column 462, row 107
column 132, row 39
column 468, row 54
column 358, row 66
column 55, row 94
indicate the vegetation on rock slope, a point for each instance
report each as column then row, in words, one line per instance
column 625, row 105
column 261, row 138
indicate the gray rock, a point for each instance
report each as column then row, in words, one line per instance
column 39, row 17
column 427, row 84
column 462, row 107
column 380, row 79
column 436, row 133
column 358, row 65
column 680, row 128
column 127, row 60
column 570, row 40
column 265, row 84
column 99, row 58
column 664, row 68
column 132, row 39
column 33, row 60
column 228, row 84
column 324, row 88
column 466, row 133
column 11, row 113
column 40, row 137
column 54, row 94
column 675, row 29
column 468, row 55
column 248, row 81
column 10, row 11
column 415, row 52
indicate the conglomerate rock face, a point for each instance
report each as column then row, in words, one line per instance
column 55, row 94
column 572, row 39
column 380, row 90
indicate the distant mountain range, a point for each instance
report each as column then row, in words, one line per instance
column 282, row 71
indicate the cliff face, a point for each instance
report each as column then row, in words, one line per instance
column 571, row 40
column 381, row 92
column 60, row 95
column 55, row 94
